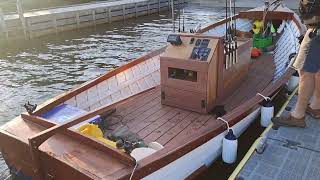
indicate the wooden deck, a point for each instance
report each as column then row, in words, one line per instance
column 152, row 121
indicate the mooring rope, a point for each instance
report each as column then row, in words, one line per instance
column 264, row 97
column 134, row 169
column 219, row 118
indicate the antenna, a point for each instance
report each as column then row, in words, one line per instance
column 172, row 14
column 183, row 20
column 179, row 30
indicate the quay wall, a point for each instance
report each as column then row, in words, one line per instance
column 49, row 21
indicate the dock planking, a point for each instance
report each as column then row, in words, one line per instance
column 291, row 153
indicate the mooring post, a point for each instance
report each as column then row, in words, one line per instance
column 22, row 18
column 54, row 23
column 94, row 17
column 78, row 19
column 159, row 6
column 3, row 24
column 109, row 15
column 136, row 8
column 124, row 12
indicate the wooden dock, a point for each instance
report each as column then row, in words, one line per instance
column 47, row 21
column 290, row 153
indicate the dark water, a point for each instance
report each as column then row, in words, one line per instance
column 37, row 70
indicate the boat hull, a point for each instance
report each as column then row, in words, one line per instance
column 206, row 154
column 181, row 168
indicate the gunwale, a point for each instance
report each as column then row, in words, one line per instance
column 170, row 153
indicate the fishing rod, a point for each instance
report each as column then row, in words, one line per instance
column 172, row 14
column 226, row 52
column 235, row 32
column 230, row 42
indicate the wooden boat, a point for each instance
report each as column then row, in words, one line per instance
column 174, row 111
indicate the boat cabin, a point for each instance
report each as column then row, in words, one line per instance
column 197, row 73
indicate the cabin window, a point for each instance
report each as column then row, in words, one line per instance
column 182, row 74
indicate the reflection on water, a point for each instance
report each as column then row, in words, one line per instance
column 40, row 69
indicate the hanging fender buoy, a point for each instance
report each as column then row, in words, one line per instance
column 267, row 112
column 229, row 147
column 293, row 82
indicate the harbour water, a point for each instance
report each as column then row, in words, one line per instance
column 42, row 68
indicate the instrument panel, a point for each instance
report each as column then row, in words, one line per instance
column 200, row 51
column 194, row 48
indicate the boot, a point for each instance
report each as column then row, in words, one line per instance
column 289, row 121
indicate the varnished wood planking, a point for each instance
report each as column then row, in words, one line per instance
column 166, row 126
column 260, row 73
column 152, row 119
column 192, row 128
column 159, row 122
column 177, row 128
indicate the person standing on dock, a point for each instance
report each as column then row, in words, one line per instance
column 308, row 65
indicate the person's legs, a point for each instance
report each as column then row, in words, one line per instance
column 306, row 90
column 315, row 102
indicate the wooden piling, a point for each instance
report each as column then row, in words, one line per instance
column 78, row 19
column 54, row 23
column 109, row 15
column 124, row 12
column 136, row 9
column 22, row 18
column 3, row 25
column 94, row 17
